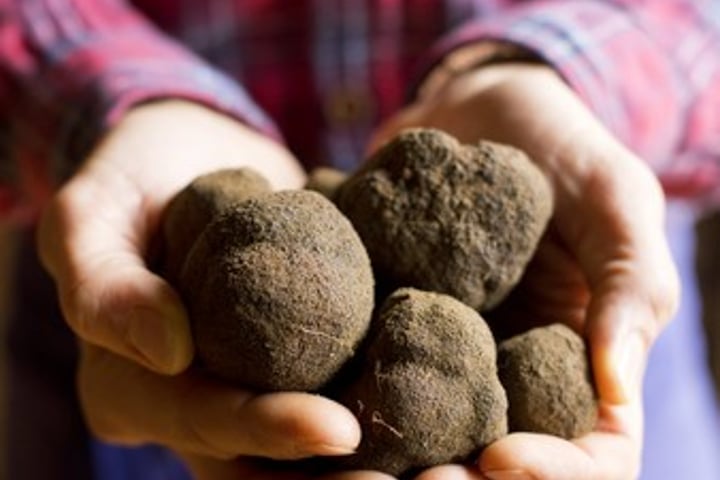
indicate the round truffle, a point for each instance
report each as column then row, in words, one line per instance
column 194, row 206
column 280, row 292
column 428, row 393
column 546, row 374
column 440, row 216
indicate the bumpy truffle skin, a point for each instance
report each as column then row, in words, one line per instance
column 280, row 292
column 429, row 392
column 194, row 206
column 440, row 216
column 326, row 181
column 546, row 374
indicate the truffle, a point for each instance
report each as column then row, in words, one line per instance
column 546, row 374
column 194, row 206
column 280, row 292
column 428, row 392
column 440, row 216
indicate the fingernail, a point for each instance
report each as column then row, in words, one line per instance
column 344, row 435
column 629, row 364
column 305, row 450
column 156, row 339
column 342, row 439
column 507, row 475
column 333, row 450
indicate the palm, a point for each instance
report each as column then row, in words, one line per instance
column 136, row 343
column 602, row 267
column 553, row 289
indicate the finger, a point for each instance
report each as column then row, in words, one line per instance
column 125, row 403
column 612, row 452
column 542, row 457
column 630, row 305
column 633, row 281
column 452, row 472
column 92, row 244
column 411, row 116
column 358, row 475
column 622, row 325
column 206, row 468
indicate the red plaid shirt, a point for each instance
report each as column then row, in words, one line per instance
column 322, row 73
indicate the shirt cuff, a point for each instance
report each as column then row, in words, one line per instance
column 97, row 99
column 194, row 82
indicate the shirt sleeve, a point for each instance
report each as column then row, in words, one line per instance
column 69, row 69
column 649, row 70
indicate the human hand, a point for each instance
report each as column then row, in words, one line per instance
column 94, row 239
column 603, row 266
column 217, row 430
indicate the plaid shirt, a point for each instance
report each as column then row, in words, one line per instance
column 321, row 74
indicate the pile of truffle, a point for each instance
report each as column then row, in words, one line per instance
column 281, row 290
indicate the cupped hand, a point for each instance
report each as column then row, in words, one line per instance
column 95, row 239
column 218, row 431
column 603, row 266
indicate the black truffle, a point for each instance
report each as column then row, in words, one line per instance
column 429, row 392
column 546, row 374
column 440, row 216
column 195, row 206
column 280, row 292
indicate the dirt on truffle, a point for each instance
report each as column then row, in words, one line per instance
column 195, row 206
column 326, row 181
column 440, row 216
column 429, row 392
column 547, row 377
column 280, row 292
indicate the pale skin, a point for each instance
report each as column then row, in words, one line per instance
column 604, row 268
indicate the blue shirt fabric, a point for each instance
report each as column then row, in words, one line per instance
column 682, row 418
column 144, row 463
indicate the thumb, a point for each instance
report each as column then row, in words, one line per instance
column 627, row 311
column 622, row 249
column 410, row 116
column 91, row 240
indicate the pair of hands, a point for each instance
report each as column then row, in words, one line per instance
column 603, row 267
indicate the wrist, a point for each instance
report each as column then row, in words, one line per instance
column 474, row 57
column 169, row 142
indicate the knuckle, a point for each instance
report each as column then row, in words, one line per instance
column 58, row 254
column 96, row 304
column 664, row 296
column 96, row 399
column 191, row 427
column 666, row 305
column 197, row 441
column 659, row 301
column 79, row 304
column 105, row 429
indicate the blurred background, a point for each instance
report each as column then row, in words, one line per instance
column 707, row 267
column 7, row 250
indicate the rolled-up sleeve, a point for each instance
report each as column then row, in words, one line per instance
column 69, row 69
column 649, row 70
